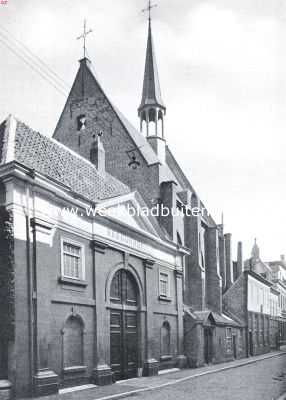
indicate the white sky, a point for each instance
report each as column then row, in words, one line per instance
column 222, row 66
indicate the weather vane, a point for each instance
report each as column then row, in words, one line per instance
column 149, row 8
column 83, row 36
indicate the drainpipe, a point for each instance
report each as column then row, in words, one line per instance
column 29, row 286
column 246, row 316
column 34, row 288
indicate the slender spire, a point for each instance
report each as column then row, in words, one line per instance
column 152, row 107
column 151, row 94
column 255, row 252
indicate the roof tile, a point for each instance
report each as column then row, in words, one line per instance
column 56, row 161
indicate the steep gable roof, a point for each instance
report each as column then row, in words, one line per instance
column 85, row 85
column 47, row 156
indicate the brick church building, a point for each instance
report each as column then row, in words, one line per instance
column 98, row 297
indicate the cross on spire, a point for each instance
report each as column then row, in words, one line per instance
column 149, row 8
column 83, row 36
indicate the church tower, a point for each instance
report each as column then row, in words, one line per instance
column 255, row 254
column 152, row 109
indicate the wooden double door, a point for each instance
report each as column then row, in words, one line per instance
column 124, row 326
column 124, row 343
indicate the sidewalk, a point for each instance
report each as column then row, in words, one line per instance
column 136, row 385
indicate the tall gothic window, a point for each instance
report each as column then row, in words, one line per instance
column 73, row 342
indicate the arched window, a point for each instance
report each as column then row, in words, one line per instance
column 123, row 288
column 73, row 342
column 165, row 339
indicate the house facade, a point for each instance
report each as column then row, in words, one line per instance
column 94, row 296
column 278, row 270
column 255, row 301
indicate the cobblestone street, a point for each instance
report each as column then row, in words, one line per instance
column 263, row 380
column 256, row 378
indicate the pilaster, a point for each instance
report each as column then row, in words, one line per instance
column 181, row 358
column 102, row 373
column 151, row 365
column 45, row 381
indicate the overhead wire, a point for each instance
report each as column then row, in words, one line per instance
column 8, row 36
column 45, row 72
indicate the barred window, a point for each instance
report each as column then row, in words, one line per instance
column 164, row 284
column 72, row 256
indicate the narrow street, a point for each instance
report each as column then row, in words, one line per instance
column 257, row 378
column 263, row 380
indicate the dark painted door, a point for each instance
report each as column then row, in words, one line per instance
column 250, row 344
column 234, row 346
column 208, row 345
column 124, row 326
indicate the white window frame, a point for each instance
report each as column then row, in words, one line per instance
column 82, row 258
column 167, row 273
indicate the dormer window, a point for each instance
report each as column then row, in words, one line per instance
column 81, row 122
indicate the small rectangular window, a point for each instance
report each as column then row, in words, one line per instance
column 228, row 340
column 164, row 284
column 72, row 260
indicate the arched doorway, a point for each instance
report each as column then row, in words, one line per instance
column 124, row 325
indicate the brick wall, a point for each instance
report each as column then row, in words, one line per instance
column 234, row 300
column 118, row 145
column 213, row 278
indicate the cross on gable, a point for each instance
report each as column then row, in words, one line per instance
column 83, row 37
column 149, row 8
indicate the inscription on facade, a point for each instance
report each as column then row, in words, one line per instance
column 120, row 237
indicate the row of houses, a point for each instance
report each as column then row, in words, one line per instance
column 92, row 290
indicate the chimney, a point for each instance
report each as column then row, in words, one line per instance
column 282, row 257
column 213, row 278
column 228, row 261
column 97, row 154
column 239, row 259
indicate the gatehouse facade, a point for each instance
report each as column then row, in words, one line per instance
column 95, row 299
